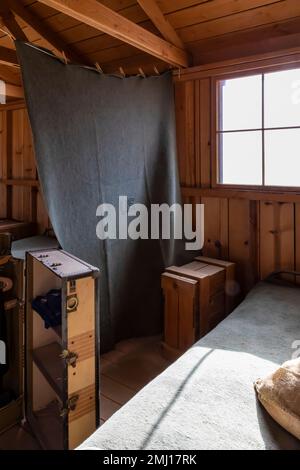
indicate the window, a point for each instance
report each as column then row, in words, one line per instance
column 258, row 129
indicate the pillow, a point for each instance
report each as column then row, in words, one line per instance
column 279, row 393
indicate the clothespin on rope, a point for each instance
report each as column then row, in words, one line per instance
column 99, row 69
column 156, row 70
column 141, row 72
column 122, row 72
column 179, row 73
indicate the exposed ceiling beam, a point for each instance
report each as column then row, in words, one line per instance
column 10, row 22
column 155, row 14
column 13, row 91
column 104, row 19
column 10, row 74
column 8, row 56
column 44, row 31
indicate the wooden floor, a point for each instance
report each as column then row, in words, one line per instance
column 124, row 371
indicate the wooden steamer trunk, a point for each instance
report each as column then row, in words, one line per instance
column 62, row 368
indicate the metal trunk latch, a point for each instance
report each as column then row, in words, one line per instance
column 70, row 357
column 72, row 298
column 72, row 402
column 70, row 405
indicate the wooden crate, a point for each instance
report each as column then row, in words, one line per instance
column 211, row 284
column 194, row 303
column 62, row 363
column 181, row 298
column 232, row 288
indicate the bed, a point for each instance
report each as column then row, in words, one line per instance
column 206, row 399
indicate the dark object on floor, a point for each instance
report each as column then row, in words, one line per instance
column 3, row 337
column 49, row 307
column 5, row 398
column 5, row 244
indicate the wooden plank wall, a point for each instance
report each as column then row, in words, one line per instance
column 262, row 235
column 20, row 197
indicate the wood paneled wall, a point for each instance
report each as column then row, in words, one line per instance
column 258, row 231
column 20, row 197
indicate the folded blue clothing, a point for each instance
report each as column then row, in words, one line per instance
column 49, row 307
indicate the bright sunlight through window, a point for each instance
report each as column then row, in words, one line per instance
column 258, row 130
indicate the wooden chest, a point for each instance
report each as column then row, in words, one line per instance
column 195, row 302
column 232, row 288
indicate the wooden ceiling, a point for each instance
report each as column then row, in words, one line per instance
column 208, row 30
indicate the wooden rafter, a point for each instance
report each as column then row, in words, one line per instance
column 14, row 91
column 44, row 31
column 153, row 11
column 10, row 74
column 104, row 19
column 9, row 21
column 8, row 56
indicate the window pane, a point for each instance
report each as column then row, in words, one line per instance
column 282, row 99
column 240, row 103
column 241, row 157
column 282, row 157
